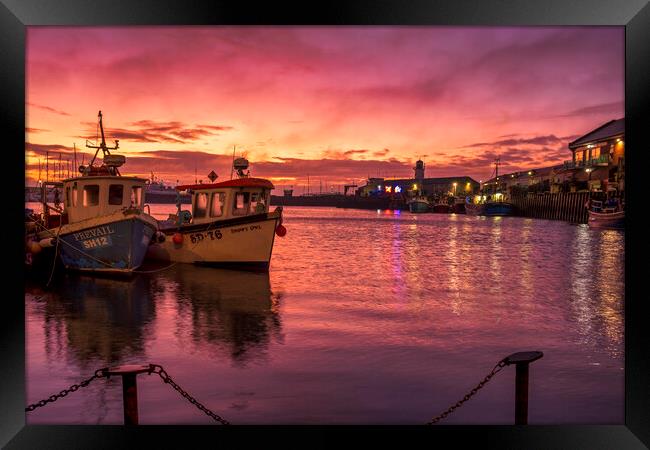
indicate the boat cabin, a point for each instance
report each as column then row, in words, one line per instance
column 93, row 196
column 228, row 199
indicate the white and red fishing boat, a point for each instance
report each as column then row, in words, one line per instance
column 229, row 226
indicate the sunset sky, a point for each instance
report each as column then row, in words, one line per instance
column 336, row 103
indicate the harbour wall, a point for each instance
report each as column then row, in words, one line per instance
column 568, row 206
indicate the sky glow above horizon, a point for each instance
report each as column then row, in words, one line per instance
column 336, row 103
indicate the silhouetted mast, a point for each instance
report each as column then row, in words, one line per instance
column 102, row 146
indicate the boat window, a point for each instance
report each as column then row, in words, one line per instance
column 258, row 202
column 74, row 195
column 200, row 204
column 67, row 197
column 240, row 207
column 115, row 194
column 136, row 195
column 91, row 195
column 216, row 205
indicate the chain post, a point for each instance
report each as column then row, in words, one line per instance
column 522, row 361
column 129, row 389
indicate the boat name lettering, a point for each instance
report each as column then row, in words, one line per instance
column 198, row 237
column 97, row 242
column 95, row 232
column 239, row 230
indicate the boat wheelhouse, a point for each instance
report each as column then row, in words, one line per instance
column 229, row 226
column 102, row 226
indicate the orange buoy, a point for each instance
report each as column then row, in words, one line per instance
column 280, row 230
column 178, row 238
column 34, row 247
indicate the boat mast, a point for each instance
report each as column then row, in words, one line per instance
column 102, row 146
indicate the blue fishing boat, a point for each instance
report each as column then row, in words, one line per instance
column 497, row 208
column 102, row 226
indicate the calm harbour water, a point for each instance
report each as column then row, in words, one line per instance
column 366, row 317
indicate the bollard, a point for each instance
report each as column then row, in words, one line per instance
column 522, row 360
column 129, row 389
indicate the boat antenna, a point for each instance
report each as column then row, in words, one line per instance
column 102, row 146
column 232, row 165
column 47, row 166
column 74, row 146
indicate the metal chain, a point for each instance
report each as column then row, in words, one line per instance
column 500, row 365
column 158, row 369
column 99, row 373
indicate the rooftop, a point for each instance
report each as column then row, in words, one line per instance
column 605, row 131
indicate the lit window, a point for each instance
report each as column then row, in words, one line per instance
column 91, row 195
column 200, row 204
column 240, row 208
column 74, row 194
column 216, row 205
column 136, row 196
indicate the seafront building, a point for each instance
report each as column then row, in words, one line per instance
column 462, row 185
column 597, row 164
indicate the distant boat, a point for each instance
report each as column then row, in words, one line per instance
column 459, row 206
column 419, row 205
column 102, row 227
column 229, row 226
column 474, row 206
column 498, row 208
column 607, row 215
column 442, row 206
column 157, row 192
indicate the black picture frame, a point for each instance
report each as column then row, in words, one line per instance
column 634, row 15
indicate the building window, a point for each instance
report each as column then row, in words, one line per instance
column 240, row 208
column 115, row 194
column 216, row 205
column 200, row 205
column 91, row 195
column 67, row 197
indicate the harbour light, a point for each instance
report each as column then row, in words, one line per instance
column 415, row 186
column 398, row 189
column 389, row 188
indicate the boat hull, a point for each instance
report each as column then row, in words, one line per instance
column 418, row 206
column 241, row 243
column 498, row 209
column 458, row 208
column 106, row 244
column 606, row 220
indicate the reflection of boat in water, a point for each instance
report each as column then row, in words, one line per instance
column 230, row 225
column 104, row 319
column 115, row 321
column 223, row 307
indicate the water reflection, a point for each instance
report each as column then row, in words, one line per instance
column 230, row 311
column 107, row 321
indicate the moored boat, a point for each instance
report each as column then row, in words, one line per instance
column 229, row 226
column 498, row 208
column 419, row 204
column 608, row 215
column 102, row 226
